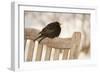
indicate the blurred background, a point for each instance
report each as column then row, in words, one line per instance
column 70, row 22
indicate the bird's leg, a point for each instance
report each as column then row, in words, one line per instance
column 42, row 39
column 37, row 38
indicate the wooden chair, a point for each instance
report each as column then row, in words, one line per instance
column 50, row 49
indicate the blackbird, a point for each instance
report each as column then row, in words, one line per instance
column 52, row 30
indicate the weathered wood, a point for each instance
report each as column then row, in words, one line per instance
column 44, row 52
column 61, row 54
column 35, row 51
column 39, row 52
column 56, row 54
column 75, row 45
column 52, row 53
column 58, row 43
column 48, row 53
column 65, row 54
column 30, row 33
column 26, row 49
column 30, row 51
column 64, row 42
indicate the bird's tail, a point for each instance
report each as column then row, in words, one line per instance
column 37, row 37
column 42, row 38
column 39, row 33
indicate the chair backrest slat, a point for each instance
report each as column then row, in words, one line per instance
column 65, row 54
column 39, row 52
column 56, row 54
column 48, row 53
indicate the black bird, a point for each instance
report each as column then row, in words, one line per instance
column 52, row 30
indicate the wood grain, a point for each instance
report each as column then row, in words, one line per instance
column 30, row 51
column 64, row 42
column 72, row 43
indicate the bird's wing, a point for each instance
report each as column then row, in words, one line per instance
column 48, row 28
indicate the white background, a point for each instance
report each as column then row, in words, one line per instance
column 5, row 37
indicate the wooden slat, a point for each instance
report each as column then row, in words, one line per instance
column 30, row 51
column 75, row 45
column 61, row 54
column 48, row 53
column 39, row 52
column 52, row 54
column 56, row 54
column 43, row 53
column 68, row 57
column 65, row 54
column 26, row 49
column 76, row 52
column 35, row 50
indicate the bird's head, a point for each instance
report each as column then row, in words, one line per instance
column 56, row 22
